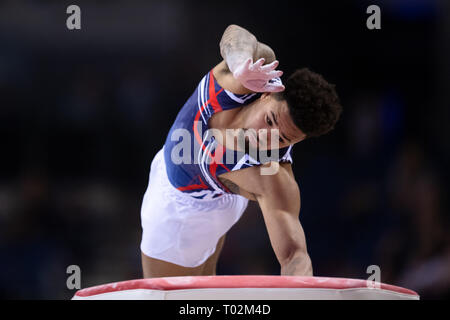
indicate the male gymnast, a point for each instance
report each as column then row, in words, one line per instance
column 190, row 205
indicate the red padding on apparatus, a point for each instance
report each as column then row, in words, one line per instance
column 202, row 282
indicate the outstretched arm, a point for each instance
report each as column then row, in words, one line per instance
column 280, row 205
column 238, row 72
column 278, row 196
column 237, row 45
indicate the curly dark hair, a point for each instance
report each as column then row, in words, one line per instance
column 313, row 102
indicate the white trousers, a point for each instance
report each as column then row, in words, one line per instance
column 178, row 228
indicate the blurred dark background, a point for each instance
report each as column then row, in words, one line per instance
column 83, row 112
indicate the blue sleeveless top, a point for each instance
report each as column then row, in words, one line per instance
column 194, row 159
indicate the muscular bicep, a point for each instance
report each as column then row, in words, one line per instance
column 280, row 192
column 236, row 189
column 248, row 182
column 278, row 196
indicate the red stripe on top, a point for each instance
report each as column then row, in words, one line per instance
column 214, row 103
column 221, row 149
column 213, row 95
column 218, row 160
column 195, row 125
column 217, row 108
column 202, row 185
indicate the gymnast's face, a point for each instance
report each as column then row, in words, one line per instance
column 268, row 125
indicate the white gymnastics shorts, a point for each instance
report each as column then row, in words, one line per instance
column 178, row 228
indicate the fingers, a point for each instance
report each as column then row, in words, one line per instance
column 273, row 87
column 258, row 64
column 259, row 77
column 268, row 71
column 274, row 74
column 271, row 66
column 248, row 63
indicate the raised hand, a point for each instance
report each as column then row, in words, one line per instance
column 257, row 76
